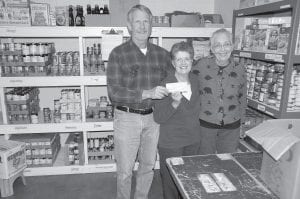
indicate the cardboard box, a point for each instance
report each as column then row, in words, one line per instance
column 40, row 14
column 14, row 3
column 280, row 169
column 186, row 20
column 12, row 158
column 14, row 17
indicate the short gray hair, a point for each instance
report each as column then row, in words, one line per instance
column 218, row 32
column 139, row 7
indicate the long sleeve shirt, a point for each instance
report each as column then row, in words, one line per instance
column 129, row 72
column 178, row 127
column 222, row 90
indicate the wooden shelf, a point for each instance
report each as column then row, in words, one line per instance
column 280, row 58
column 266, row 8
column 269, row 110
column 75, row 32
column 47, row 81
column 55, row 127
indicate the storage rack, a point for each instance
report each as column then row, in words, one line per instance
column 289, row 59
column 105, row 127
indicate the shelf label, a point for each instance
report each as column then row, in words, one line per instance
column 71, row 127
column 274, row 57
column 74, row 169
column 105, row 167
column 97, row 125
column 285, row 6
column 245, row 54
column 20, row 127
column 16, row 81
column 269, row 113
column 261, row 107
column 11, row 30
column 240, row 14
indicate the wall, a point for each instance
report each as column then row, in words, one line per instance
column 226, row 9
column 160, row 7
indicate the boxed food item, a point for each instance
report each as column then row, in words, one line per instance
column 41, row 148
column 183, row 19
column 74, row 149
column 40, row 14
column 14, row 17
column 12, row 158
column 213, row 20
column 61, row 16
column 280, row 170
column 14, row 3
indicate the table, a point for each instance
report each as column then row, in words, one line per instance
column 220, row 176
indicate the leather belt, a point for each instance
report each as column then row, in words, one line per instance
column 138, row 111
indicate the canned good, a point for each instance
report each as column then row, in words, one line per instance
column 11, row 47
column 26, row 58
column 32, row 49
column 34, row 58
column 10, row 58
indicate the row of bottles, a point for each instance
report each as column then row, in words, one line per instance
column 97, row 9
column 79, row 19
column 93, row 59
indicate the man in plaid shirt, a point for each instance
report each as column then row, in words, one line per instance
column 134, row 72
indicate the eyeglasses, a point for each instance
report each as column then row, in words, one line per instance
column 183, row 60
column 225, row 46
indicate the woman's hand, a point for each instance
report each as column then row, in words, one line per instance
column 177, row 96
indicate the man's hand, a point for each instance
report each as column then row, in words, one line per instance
column 158, row 92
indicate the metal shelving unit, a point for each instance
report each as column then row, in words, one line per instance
column 289, row 59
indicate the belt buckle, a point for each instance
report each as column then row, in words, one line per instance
column 127, row 108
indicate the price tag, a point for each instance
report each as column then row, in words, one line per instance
column 71, row 127
column 97, row 125
column 16, row 81
column 74, row 169
column 270, row 56
column 240, row 14
column 245, row 54
column 275, row 57
column 278, row 58
column 20, row 127
column 11, row 30
column 269, row 113
column 285, row 6
column 261, row 107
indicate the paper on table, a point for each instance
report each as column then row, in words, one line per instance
column 109, row 42
column 276, row 141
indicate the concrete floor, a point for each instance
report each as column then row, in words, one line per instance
column 80, row 186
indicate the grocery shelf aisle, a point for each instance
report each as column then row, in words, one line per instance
column 80, row 186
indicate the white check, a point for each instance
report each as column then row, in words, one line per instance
column 177, row 87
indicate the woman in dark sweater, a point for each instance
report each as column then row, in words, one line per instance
column 178, row 115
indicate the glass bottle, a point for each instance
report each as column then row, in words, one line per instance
column 82, row 16
column 101, row 10
column 78, row 16
column 105, row 9
column 71, row 16
column 97, row 10
column 93, row 60
column 88, row 9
